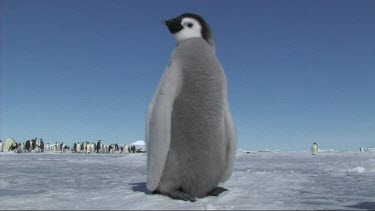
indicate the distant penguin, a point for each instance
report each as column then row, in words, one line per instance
column 92, row 150
column 314, row 149
column 102, row 150
column 1, row 146
column 126, row 149
column 87, row 148
column 98, row 146
column 190, row 134
column 75, row 147
column 41, row 145
column 111, row 148
column 19, row 148
column 56, row 147
column 33, row 144
column 28, row 146
column 78, row 147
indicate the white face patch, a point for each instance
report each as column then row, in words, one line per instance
column 191, row 29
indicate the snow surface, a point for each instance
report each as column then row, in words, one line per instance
column 117, row 181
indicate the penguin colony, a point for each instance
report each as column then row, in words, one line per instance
column 190, row 134
column 10, row 145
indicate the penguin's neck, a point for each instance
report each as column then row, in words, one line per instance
column 210, row 42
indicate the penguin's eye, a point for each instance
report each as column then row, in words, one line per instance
column 188, row 24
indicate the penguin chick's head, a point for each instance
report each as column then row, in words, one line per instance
column 189, row 25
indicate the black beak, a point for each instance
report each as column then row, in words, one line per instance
column 174, row 25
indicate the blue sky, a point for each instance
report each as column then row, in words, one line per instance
column 298, row 71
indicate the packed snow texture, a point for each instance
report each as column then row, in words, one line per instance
column 117, row 181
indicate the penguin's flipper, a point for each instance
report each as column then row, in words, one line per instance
column 230, row 134
column 158, row 125
column 217, row 191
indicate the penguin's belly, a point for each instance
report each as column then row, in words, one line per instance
column 196, row 157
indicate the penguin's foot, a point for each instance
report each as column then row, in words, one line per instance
column 181, row 196
column 178, row 194
column 156, row 192
column 217, row 191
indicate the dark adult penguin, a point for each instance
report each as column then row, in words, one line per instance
column 98, row 144
column 33, row 144
column 112, row 148
column 28, row 146
column 133, row 149
column 116, row 147
column 41, row 145
column 190, row 135
column 1, row 146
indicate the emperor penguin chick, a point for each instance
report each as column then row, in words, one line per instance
column 190, row 134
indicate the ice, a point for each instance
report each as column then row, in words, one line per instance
column 356, row 170
column 261, row 180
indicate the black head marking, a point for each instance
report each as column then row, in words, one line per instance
column 206, row 32
column 174, row 25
